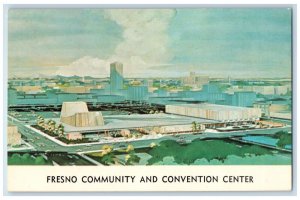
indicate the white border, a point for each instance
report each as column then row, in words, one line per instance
column 166, row 2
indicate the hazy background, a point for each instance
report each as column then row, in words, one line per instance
column 245, row 42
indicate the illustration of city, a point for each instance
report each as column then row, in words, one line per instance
column 106, row 87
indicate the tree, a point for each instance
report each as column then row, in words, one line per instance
column 42, row 124
column 40, row 121
column 200, row 127
column 284, row 139
column 40, row 161
column 55, row 132
column 60, row 130
column 131, row 158
column 47, row 125
column 194, row 126
column 106, row 149
column 152, row 145
column 51, row 126
column 107, row 155
column 130, row 148
column 108, row 159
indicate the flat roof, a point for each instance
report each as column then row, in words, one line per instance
column 137, row 120
column 212, row 107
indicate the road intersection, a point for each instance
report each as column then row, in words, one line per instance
column 44, row 143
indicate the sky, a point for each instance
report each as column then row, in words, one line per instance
column 219, row 42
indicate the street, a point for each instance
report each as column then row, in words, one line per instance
column 42, row 143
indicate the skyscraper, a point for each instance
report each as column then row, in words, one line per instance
column 116, row 77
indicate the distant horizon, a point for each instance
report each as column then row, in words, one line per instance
column 184, row 74
column 157, row 77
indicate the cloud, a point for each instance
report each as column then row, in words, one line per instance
column 145, row 37
column 85, row 66
column 145, row 43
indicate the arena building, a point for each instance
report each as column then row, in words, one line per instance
column 77, row 114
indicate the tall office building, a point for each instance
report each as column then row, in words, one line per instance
column 116, row 77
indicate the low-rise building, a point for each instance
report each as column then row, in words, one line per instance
column 215, row 112
column 73, row 136
column 264, row 107
column 29, row 89
column 13, row 136
column 279, row 107
column 138, row 93
column 244, row 99
column 175, row 129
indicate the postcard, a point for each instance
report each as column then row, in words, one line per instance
column 149, row 99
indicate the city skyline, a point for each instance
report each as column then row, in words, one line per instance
column 150, row 43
